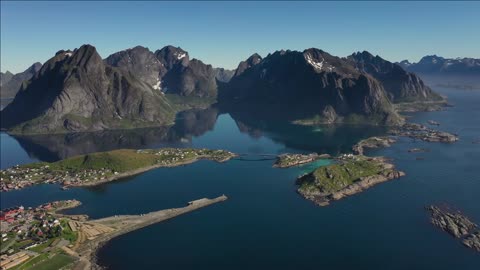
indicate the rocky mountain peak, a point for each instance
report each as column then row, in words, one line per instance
column 432, row 59
column 251, row 61
column 170, row 56
column 399, row 84
column 140, row 62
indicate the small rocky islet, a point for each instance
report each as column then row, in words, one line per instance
column 373, row 143
column 457, row 225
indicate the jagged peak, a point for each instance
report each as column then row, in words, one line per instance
column 431, row 58
column 172, row 50
column 35, row 67
column 314, row 51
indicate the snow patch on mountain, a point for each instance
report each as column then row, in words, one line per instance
column 313, row 62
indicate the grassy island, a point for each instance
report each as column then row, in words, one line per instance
column 96, row 168
column 350, row 175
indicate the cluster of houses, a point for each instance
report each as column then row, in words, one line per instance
column 19, row 177
column 173, row 155
column 32, row 225
column 24, row 228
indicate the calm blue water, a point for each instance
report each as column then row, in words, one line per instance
column 264, row 224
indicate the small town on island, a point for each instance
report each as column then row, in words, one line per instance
column 102, row 167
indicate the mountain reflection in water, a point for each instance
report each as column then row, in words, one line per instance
column 331, row 139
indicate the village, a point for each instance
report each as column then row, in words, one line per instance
column 19, row 177
column 35, row 234
column 102, row 167
column 42, row 238
column 290, row 160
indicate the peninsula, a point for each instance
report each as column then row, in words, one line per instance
column 96, row 168
column 350, row 175
column 49, row 240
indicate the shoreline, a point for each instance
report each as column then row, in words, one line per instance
column 103, row 167
column 87, row 252
column 313, row 187
column 145, row 169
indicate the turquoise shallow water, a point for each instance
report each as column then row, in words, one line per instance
column 264, row 224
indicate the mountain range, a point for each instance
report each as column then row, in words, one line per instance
column 437, row 65
column 318, row 87
column 79, row 91
column 10, row 83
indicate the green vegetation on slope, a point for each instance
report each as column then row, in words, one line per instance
column 332, row 178
column 103, row 166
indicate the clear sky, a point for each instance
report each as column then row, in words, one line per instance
column 224, row 33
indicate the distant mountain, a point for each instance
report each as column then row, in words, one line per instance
column 168, row 69
column 10, row 87
column 312, row 85
column 77, row 91
column 5, row 77
column 437, row 65
column 399, row 84
column 223, row 75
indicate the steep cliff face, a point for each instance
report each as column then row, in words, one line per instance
column 169, row 70
column 399, row 84
column 141, row 63
column 251, row 61
column 5, row 77
column 76, row 91
column 192, row 79
column 12, row 83
column 294, row 85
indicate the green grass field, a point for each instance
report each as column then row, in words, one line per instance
column 335, row 177
column 56, row 262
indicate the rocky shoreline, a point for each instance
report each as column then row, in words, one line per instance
column 421, row 132
column 372, row 143
column 290, row 160
column 351, row 175
column 457, row 225
column 142, row 170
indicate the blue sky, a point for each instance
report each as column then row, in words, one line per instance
column 224, row 33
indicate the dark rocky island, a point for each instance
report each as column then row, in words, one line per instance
column 421, row 132
column 372, row 143
column 457, row 225
column 350, row 175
